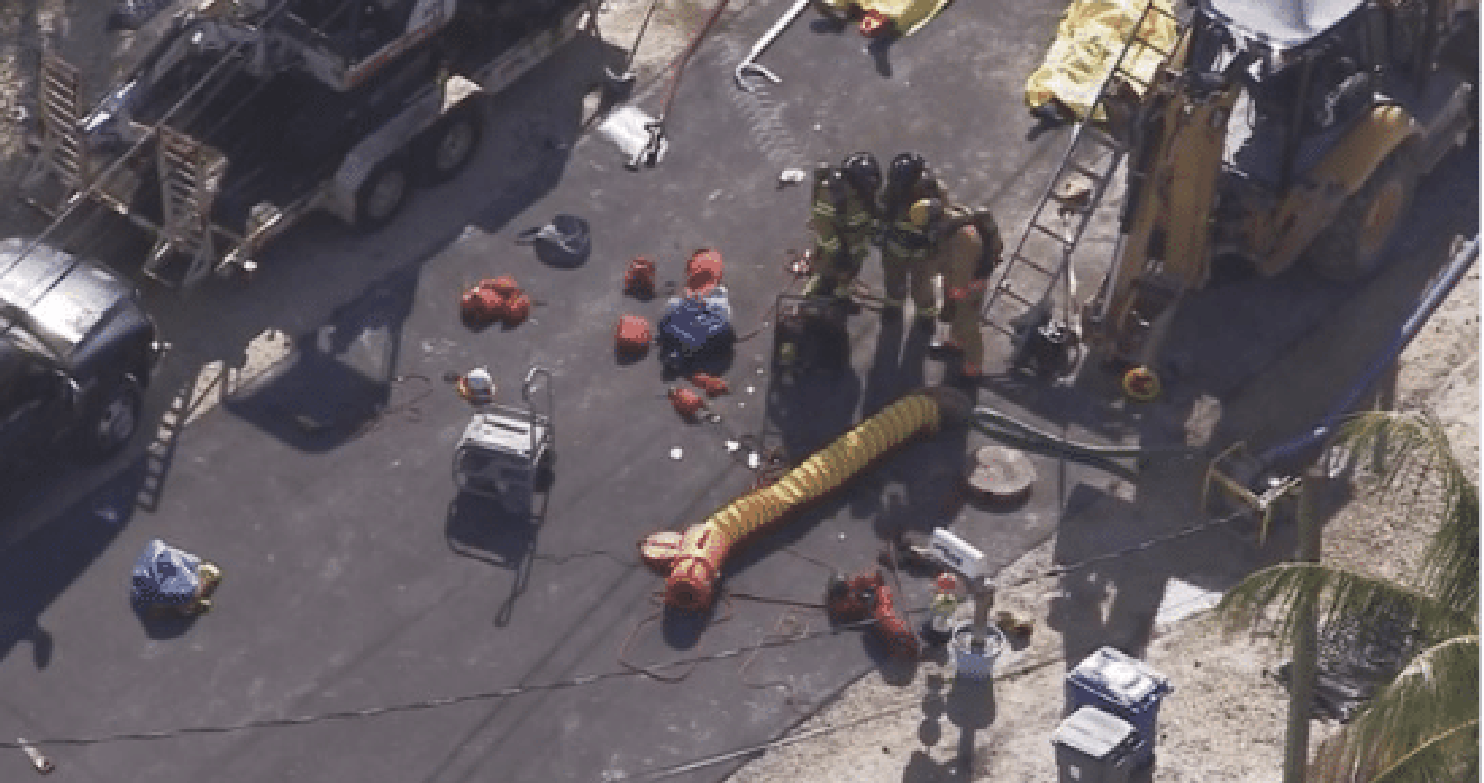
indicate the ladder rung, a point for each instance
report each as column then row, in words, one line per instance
column 1097, row 177
column 60, row 116
column 1054, row 235
column 59, row 102
column 1005, row 289
column 1005, row 330
column 1170, row 14
column 1143, row 84
column 1020, row 258
column 1147, row 44
column 59, row 85
column 1102, row 138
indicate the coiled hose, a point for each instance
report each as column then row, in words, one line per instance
column 693, row 559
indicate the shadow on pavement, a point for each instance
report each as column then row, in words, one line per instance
column 970, row 706
column 482, row 529
column 340, row 379
column 529, row 135
column 45, row 563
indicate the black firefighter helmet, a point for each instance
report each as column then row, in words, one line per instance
column 863, row 173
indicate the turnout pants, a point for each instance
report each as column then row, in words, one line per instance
column 905, row 272
column 963, row 330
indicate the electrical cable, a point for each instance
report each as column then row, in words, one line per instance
column 783, row 742
column 788, row 626
column 651, row 671
column 1132, row 549
column 630, row 669
column 677, row 66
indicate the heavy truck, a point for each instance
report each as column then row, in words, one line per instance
column 240, row 117
column 1280, row 132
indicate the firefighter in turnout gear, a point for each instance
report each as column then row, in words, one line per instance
column 843, row 218
column 967, row 248
column 906, row 251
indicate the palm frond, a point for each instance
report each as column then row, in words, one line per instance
column 1273, row 593
column 1449, row 757
column 1410, row 445
column 1412, row 724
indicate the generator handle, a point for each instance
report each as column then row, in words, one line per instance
column 526, row 389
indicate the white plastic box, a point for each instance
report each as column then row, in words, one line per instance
column 1093, row 746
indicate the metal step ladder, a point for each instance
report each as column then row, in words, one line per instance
column 63, row 151
column 190, row 176
column 1020, row 300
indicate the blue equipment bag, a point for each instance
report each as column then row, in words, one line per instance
column 692, row 327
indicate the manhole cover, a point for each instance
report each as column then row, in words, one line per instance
column 1001, row 473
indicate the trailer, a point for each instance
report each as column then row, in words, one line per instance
column 241, row 117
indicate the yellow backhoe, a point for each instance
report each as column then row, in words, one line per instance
column 1282, row 132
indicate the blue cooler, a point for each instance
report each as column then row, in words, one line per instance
column 1095, row 747
column 1123, row 686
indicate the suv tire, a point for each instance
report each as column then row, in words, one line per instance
column 114, row 421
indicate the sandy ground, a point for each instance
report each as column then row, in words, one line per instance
column 1224, row 722
column 1226, row 719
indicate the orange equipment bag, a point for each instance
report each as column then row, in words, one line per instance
column 638, row 279
column 480, row 306
column 503, row 285
column 703, row 272
column 492, row 300
column 712, row 385
column 687, row 403
column 517, row 309
column 633, row 334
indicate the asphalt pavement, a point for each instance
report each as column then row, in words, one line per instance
column 356, row 578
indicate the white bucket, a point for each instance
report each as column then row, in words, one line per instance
column 974, row 664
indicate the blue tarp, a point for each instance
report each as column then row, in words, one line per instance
column 691, row 327
column 164, row 575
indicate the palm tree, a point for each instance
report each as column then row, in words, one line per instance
column 1423, row 726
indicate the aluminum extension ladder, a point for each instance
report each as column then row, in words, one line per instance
column 63, row 151
column 190, row 176
column 1016, row 308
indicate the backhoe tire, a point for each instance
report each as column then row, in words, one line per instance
column 446, row 148
column 383, row 194
column 1365, row 230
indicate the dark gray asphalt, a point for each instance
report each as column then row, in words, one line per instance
column 353, row 579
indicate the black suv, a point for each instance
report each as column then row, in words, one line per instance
column 76, row 351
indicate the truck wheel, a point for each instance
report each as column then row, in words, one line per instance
column 114, row 422
column 383, row 194
column 1355, row 244
column 447, row 147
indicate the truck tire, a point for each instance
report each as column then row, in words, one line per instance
column 383, row 194
column 112, row 424
column 1358, row 240
column 447, row 147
